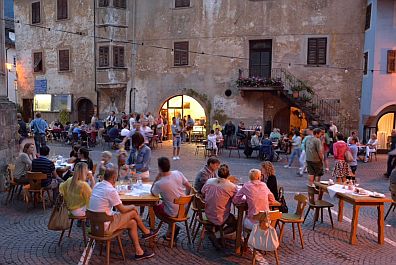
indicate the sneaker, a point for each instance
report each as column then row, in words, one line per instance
column 327, row 169
column 177, row 157
column 146, row 254
column 152, row 233
column 174, row 158
column 286, row 166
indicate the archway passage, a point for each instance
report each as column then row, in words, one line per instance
column 85, row 110
column 289, row 119
column 386, row 123
column 181, row 106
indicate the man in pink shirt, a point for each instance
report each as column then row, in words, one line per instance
column 218, row 193
column 256, row 194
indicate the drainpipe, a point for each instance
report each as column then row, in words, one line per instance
column 95, row 73
column 6, row 70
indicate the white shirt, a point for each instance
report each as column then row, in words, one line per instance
column 170, row 187
column 124, row 132
column 212, row 141
column 104, row 197
column 146, row 132
column 131, row 122
column 372, row 142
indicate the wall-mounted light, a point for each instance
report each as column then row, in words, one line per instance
column 9, row 66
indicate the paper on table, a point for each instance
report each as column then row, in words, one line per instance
column 333, row 189
column 140, row 190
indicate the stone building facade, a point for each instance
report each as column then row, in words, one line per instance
column 229, row 28
column 307, row 40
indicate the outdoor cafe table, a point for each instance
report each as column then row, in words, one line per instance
column 145, row 199
column 242, row 208
column 358, row 201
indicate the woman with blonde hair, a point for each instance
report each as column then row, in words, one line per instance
column 76, row 191
column 269, row 177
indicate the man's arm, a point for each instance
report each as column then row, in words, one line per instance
column 125, row 209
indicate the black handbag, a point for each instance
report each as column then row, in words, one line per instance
column 283, row 208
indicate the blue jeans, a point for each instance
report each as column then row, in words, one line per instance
column 39, row 141
column 296, row 152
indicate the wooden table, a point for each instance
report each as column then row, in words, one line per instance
column 242, row 208
column 357, row 202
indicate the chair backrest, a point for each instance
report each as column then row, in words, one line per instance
column 267, row 217
column 35, row 179
column 311, row 194
column 97, row 220
column 392, row 189
column 233, row 179
column 10, row 173
column 301, row 203
column 199, row 205
column 184, row 203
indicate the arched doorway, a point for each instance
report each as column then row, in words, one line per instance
column 85, row 110
column 290, row 118
column 386, row 123
column 180, row 106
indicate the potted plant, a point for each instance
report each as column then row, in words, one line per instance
column 296, row 91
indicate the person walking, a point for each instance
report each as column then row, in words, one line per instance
column 176, row 130
column 302, row 159
column 296, row 145
column 39, row 127
column 341, row 168
column 314, row 156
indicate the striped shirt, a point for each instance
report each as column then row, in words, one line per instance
column 44, row 165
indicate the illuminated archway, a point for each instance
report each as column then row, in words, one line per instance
column 180, row 106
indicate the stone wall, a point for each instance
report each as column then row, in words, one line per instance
column 225, row 27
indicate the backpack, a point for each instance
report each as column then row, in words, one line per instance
column 283, row 208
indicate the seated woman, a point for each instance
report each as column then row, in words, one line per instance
column 83, row 156
column 268, row 177
column 74, row 153
column 24, row 163
column 257, row 196
column 76, row 191
column 212, row 139
column 371, row 147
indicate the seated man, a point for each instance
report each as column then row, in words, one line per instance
column 44, row 165
column 275, row 135
column 104, row 197
column 170, row 185
column 266, row 149
column 218, row 194
column 256, row 141
column 212, row 142
column 371, row 147
column 207, row 172
column 256, row 194
column 219, row 135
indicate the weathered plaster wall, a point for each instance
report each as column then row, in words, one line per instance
column 225, row 27
column 79, row 81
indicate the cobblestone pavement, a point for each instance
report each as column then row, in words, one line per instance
column 25, row 239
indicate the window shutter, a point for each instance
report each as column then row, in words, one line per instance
column 64, row 60
column 62, row 9
column 181, row 53
column 317, row 51
column 36, row 12
column 37, row 62
column 391, row 66
column 103, row 56
column 119, row 3
column 118, row 56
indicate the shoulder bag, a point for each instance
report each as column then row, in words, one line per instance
column 59, row 219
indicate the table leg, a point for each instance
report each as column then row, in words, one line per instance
column 238, row 242
column 381, row 232
column 340, row 210
column 354, row 224
column 152, row 224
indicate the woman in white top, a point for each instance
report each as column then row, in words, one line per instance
column 371, row 146
column 24, row 163
column 296, row 144
column 212, row 142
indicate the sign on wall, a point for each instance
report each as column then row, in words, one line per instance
column 40, row 86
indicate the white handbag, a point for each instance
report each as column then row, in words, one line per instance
column 263, row 239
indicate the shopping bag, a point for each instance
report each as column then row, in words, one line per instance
column 59, row 219
column 263, row 239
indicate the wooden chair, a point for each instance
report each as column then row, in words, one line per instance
column 374, row 153
column 182, row 216
column 295, row 218
column 262, row 217
column 234, row 146
column 194, row 209
column 198, row 147
column 317, row 205
column 393, row 194
column 204, row 222
column 83, row 220
column 35, row 179
column 97, row 233
column 13, row 185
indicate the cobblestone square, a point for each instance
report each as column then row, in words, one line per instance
column 25, row 239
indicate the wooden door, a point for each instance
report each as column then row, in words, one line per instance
column 85, row 110
column 27, row 106
column 282, row 120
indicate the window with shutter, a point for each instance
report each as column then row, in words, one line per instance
column 64, row 60
column 118, row 56
column 37, row 62
column 119, row 3
column 182, row 3
column 103, row 3
column 368, row 17
column 365, row 66
column 103, row 56
column 62, row 9
column 36, row 10
column 260, row 58
column 391, row 68
column 180, row 53
column 317, row 51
